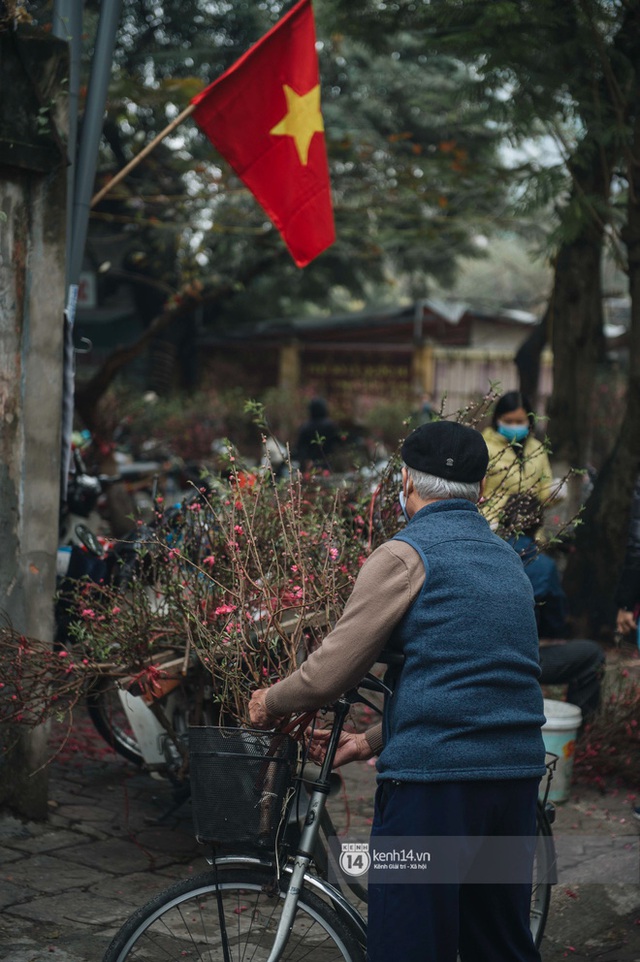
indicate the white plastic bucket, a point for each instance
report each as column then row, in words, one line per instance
column 559, row 733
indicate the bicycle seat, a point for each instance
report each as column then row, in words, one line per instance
column 371, row 683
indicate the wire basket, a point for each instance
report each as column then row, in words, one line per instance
column 241, row 781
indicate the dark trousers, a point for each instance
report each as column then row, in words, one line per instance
column 578, row 664
column 433, row 922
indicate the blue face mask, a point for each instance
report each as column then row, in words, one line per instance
column 513, row 432
column 403, row 505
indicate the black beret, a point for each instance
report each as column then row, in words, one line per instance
column 447, row 450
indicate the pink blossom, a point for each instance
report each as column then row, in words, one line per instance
column 238, row 529
column 174, row 553
column 115, row 610
column 333, row 553
column 88, row 613
column 63, row 654
column 209, row 560
column 225, row 610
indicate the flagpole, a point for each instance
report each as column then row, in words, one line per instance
column 143, row 153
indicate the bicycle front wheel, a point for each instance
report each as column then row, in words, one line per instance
column 194, row 918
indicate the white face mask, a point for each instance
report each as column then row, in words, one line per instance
column 403, row 504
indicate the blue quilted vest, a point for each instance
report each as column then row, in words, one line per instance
column 467, row 703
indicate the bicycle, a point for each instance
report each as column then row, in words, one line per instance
column 252, row 906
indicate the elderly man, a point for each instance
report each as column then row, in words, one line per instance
column 460, row 748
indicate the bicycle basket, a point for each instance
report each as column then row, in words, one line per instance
column 240, row 784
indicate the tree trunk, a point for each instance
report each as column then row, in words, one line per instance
column 576, row 324
column 593, row 570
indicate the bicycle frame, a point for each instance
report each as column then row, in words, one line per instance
column 308, row 839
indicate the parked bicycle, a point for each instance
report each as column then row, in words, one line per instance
column 264, row 901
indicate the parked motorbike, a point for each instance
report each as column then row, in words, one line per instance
column 143, row 717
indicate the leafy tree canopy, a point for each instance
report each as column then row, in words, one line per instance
column 412, row 136
column 560, row 69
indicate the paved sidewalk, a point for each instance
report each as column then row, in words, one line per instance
column 67, row 885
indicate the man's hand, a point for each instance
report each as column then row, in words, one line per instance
column 625, row 622
column 260, row 717
column 352, row 747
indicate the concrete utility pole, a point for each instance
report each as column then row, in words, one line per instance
column 67, row 24
column 33, row 179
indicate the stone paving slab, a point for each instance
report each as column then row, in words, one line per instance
column 29, row 951
column 592, row 924
column 43, row 839
column 7, row 855
column 177, row 844
column 87, row 813
column 11, row 827
column 10, row 893
column 117, row 857
column 42, row 873
column 83, row 909
column 134, row 890
column 46, row 943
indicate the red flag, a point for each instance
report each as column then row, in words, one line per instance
column 263, row 115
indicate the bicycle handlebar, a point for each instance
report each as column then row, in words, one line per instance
column 297, row 725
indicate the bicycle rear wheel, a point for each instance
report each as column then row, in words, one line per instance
column 544, row 871
column 192, row 919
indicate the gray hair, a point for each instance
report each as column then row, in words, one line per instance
column 428, row 487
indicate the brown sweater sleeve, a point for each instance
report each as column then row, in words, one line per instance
column 387, row 585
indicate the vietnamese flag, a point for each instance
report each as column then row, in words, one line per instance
column 263, row 115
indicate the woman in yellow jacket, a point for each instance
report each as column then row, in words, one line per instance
column 517, row 460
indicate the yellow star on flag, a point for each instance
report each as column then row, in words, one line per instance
column 302, row 120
